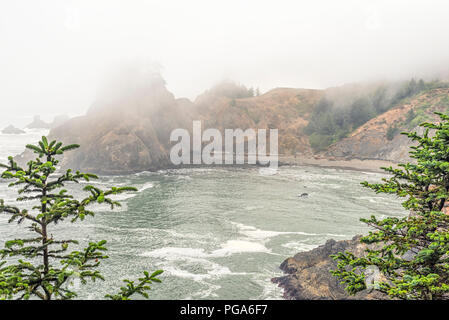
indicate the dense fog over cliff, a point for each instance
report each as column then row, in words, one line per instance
column 56, row 54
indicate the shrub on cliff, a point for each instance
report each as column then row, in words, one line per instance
column 336, row 120
column 413, row 254
column 41, row 265
column 392, row 131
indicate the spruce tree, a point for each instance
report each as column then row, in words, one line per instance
column 41, row 266
column 412, row 252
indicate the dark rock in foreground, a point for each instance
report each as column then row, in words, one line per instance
column 309, row 278
column 12, row 130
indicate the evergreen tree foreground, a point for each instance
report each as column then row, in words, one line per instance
column 41, row 266
column 411, row 253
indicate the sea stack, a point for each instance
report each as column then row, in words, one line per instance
column 37, row 123
column 12, row 130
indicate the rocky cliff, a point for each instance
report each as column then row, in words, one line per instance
column 379, row 138
column 308, row 274
column 125, row 131
column 129, row 131
column 285, row 109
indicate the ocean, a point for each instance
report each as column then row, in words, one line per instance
column 218, row 233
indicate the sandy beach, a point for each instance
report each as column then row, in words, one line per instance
column 353, row 164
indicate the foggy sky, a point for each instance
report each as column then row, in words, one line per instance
column 54, row 54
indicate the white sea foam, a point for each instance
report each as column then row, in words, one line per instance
column 146, row 186
column 209, row 292
column 259, row 234
column 239, row 246
column 143, row 173
column 177, row 272
column 268, row 171
column 189, row 256
column 228, row 248
column 184, row 178
column 336, row 235
column 174, row 253
column 299, row 246
column 271, row 290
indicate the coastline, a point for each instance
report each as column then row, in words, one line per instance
column 371, row 165
column 307, row 274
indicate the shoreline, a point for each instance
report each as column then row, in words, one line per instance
column 371, row 165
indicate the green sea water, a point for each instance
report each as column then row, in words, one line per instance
column 218, row 233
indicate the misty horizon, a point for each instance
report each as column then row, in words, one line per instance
column 241, row 151
column 56, row 55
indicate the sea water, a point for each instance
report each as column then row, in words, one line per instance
column 218, row 233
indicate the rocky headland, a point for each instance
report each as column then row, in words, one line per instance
column 127, row 128
column 307, row 274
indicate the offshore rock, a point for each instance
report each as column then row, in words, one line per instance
column 12, row 130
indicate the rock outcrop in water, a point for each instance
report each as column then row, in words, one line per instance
column 12, row 130
column 308, row 274
column 37, row 123
column 126, row 130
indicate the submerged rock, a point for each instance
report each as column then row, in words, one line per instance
column 12, row 130
column 308, row 274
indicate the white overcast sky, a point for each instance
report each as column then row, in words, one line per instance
column 53, row 54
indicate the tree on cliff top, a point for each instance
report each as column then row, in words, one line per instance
column 412, row 253
column 31, row 268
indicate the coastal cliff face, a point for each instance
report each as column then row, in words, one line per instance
column 308, row 274
column 130, row 130
column 285, row 109
column 127, row 129
column 372, row 140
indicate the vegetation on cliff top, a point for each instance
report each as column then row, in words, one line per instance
column 332, row 121
column 41, row 266
column 412, row 253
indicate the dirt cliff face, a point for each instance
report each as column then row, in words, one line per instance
column 130, row 132
column 284, row 109
column 371, row 140
column 308, row 274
